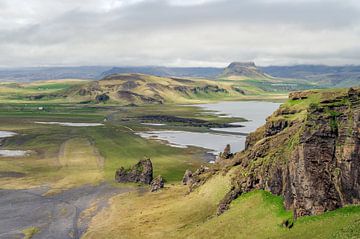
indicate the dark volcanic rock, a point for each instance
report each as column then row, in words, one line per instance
column 157, row 184
column 142, row 172
column 208, row 89
column 300, row 95
column 199, row 177
column 184, row 121
column 274, row 127
column 227, row 152
column 102, row 98
column 313, row 162
column 187, row 177
column 132, row 96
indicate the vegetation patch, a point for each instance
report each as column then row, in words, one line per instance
column 30, row 232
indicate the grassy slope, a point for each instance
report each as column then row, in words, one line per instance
column 174, row 214
column 19, row 92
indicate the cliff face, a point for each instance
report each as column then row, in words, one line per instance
column 308, row 151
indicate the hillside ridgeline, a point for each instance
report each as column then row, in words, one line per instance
column 148, row 89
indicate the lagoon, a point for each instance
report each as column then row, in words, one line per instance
column 255, row 112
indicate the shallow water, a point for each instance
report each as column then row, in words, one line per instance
column 255, row 112
column 215, row 142
column 6, row 134
column 153, row 124
column 71, row 124
column 13, row 153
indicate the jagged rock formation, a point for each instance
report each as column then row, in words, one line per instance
column 187, row 177
column 142, row 172
column 157, row 184
column 198, row 178
column 308, row 152
column 226, row 154
column 245, row 69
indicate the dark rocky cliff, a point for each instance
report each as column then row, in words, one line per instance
column 308, row 151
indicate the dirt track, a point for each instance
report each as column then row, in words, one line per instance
column 57, row 217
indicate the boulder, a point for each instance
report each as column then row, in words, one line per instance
column 142, row 172
column 157, row 184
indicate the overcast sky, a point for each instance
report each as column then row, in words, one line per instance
column 178, row 32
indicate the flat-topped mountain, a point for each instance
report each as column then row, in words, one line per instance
column 243, row 69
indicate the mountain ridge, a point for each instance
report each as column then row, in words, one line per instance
column 322, row 75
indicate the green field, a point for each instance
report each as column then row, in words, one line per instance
column 115, row 142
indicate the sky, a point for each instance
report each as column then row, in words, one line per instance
column 178, row 32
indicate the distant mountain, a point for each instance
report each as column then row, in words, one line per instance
column 162, row 71
column 243, row 69
column 28, row 74
column 322, row 75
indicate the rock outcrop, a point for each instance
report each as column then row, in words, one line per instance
column 142, row 172
column 102, row 98
column 198, row 178
column 300, row 95
column 226, row 154
column 311, row 156
column 157, row 184
column 187, row 179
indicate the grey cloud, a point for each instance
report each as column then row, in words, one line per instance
column 163, row 32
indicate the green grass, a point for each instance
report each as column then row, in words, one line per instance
column 30, row 232
column 258, row 214
column 120, row 147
